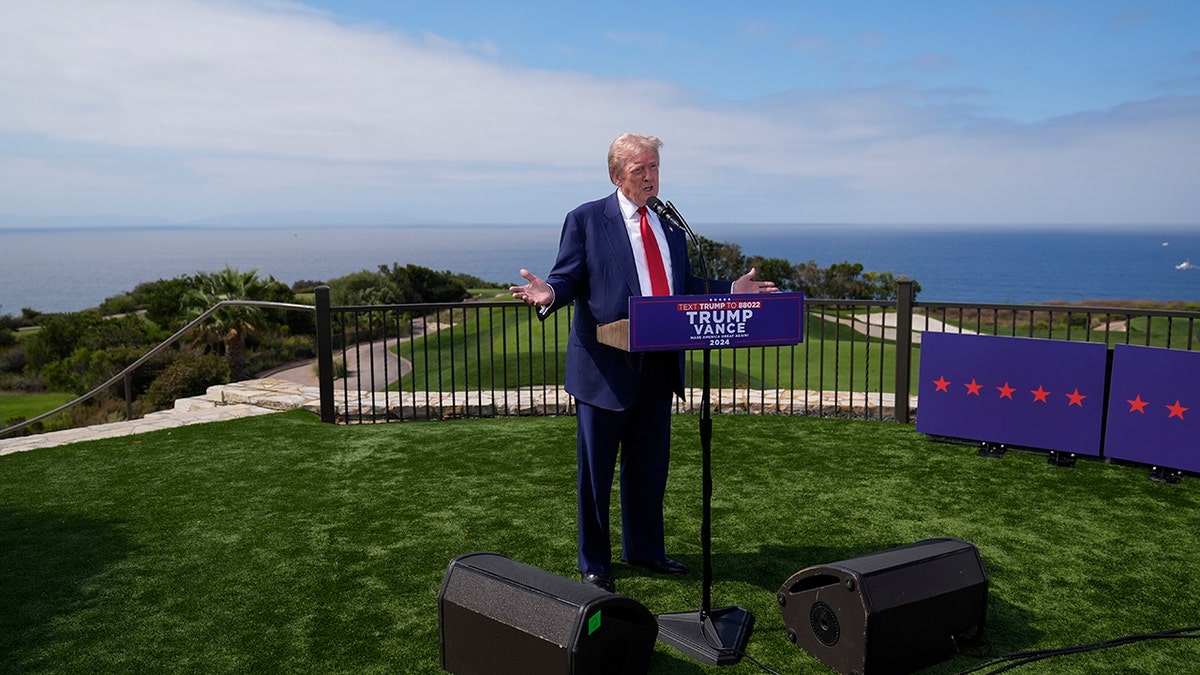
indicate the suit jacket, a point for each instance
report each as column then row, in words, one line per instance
column 595, row 269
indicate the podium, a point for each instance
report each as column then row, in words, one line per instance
column 689, row 322
column 673, row 322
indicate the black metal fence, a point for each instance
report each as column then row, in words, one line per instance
column 858, row 359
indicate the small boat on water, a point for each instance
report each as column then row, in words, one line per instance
column 1187, row 265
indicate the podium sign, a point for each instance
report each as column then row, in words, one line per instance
column 668, row 322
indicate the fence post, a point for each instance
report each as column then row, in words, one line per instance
column 904, row 321
column 128, row 395
column 325, row 354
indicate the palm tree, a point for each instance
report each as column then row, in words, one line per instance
column 229, row 326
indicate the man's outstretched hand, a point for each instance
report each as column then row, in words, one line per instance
column 537, row 292
column 747, row 284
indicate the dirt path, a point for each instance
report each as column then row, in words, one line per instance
column 883, row 325
column 365, row 362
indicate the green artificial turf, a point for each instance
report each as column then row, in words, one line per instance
column 279, row 544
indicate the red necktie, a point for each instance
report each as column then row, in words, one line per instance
column 654, row 261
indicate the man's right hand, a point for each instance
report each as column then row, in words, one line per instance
column 537, row 292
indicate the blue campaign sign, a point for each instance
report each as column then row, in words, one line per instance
column 1154, row 407
column 716, row 321
column 1025, row 392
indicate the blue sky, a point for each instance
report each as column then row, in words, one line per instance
column 937, row 112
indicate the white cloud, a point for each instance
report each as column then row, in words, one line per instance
column 258, row 106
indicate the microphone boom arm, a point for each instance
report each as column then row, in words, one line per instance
column 671, row 215
column 695, row 241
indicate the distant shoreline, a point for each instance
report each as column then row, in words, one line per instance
column 698, row 226
column 1178, row 305
column 63, row 270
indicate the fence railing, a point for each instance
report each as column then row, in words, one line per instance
column 125, row 374
column 482, row 359
column 858, row 358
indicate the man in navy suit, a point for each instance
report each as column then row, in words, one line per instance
column 623, row 399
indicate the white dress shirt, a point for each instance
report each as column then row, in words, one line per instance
column 633, row 227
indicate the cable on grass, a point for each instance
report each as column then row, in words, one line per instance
column 1009, row 661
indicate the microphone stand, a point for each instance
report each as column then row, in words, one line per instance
column 714, row 636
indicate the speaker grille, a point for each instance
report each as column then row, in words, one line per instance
column 889, row 612
column 501, row 617
column 825, row 624
column 513, row 604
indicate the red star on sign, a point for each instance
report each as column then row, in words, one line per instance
column 1176, row 410
column 1137, row 404
column 942, row 384
column 1076, row 398
column 1040, row 394
column 973, row 387
column 1006, row 391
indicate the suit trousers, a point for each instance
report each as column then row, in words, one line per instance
column 641, row 436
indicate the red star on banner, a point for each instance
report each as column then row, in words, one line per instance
column 1006, row 391
column 1040, row 394
column 1176, row 410
column 1137, row 404
column 973, row 387
column 942, row 384
column 1076, row 398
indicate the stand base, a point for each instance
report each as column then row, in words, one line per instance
column 718, row 638
column 992, row 450
column 1160, row 474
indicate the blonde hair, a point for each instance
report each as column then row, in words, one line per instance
column 625, row 146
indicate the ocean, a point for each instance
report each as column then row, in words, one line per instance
column 64, row 270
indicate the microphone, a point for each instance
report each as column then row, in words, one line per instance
column 666, row 212
column 670, row 215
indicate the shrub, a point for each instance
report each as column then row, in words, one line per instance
column 163, row 300
column 14, row 421
column 101, row 409
column 306, row 285
column 58, row 338
column 118, row 304
column 190, row 374
column 30, row 383
column 273, row 351
column 12, row 360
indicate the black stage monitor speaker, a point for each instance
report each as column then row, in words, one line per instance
column 894, row 611
column 497, row 617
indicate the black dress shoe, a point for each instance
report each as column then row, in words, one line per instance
column 664, row 565
column 604, row 581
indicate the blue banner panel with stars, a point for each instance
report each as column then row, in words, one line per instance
column 1024, row 392
column 1154, row 407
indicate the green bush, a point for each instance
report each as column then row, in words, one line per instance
column 29, row 383
column 190, row 374
column 163, row 300
column 118, row 304
column 12, row 360
column 58, row 338
column 271, row 351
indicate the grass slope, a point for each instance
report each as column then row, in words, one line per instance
column 280, row 544
column 27, row 406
